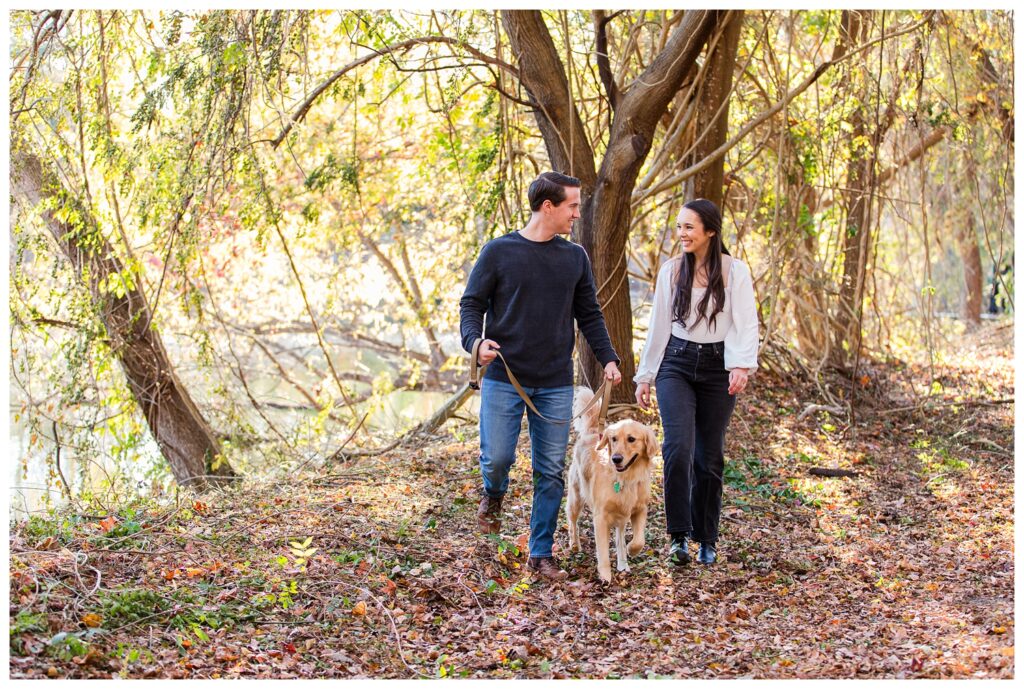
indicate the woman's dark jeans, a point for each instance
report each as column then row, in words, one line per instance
column 693, row 395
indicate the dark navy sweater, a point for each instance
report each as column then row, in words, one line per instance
column 531, row 292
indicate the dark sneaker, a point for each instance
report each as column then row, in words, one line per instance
column 707, row 554
column 488, row 515
column 678, row 554
column 546, row 567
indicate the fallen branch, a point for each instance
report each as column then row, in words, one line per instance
column 962, row 403
column 427, row 427
column 811, row 408
column 832, row 473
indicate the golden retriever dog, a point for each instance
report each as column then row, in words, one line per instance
column 611, row 475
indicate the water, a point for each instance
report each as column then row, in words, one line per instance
column 34, row 484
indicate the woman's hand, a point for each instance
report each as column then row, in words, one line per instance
column 738, row 380
column 643, row 396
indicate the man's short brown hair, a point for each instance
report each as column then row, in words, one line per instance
column 549, row 186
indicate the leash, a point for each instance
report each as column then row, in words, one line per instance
column 476, row 374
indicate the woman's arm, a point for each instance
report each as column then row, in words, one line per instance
column 742, row 339
column 659, row 325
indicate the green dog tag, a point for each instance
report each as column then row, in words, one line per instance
column 618, row 487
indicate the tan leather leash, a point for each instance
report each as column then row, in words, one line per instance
column 476, row 374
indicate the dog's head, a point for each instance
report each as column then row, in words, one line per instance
column 628, row 442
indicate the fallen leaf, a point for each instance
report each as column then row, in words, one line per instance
column 92, row 620
column 360, row 608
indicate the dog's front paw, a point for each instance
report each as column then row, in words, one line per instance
column 623, row 567
column 635, row 547
column 605, row 574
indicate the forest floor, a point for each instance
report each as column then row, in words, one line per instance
column 375, row 569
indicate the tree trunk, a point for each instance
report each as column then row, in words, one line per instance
column 970, row 256
column 185, row 439
column 708, row 183
column 604, row 223
column 856, row 202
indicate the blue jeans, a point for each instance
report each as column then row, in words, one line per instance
column 693, row 397
column 501, row 415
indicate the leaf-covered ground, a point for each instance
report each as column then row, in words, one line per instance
column 375, row 569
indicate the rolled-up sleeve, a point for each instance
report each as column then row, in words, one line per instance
column 742, row 339
column 659, row 326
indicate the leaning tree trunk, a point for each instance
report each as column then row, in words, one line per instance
column 605, row 214
column 185, row 439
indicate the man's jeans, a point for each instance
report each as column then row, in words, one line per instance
column 693, row 396
column 501, row 415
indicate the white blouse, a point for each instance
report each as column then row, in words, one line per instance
column 736, row 324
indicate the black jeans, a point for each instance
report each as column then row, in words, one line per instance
column 693, row 395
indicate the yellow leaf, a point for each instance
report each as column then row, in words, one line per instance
column 92, row 620
column 999, row 630
column 360, row 608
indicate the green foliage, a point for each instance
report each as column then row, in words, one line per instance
column 28, row 621
column 65, row 646
column 750, row 475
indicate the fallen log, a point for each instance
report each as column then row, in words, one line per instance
column 832, row 473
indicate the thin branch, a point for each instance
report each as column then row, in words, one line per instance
column 403, row 46
column 713, row 157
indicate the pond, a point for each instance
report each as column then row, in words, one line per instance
column 34, row 483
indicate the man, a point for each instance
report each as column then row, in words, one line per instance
column 531, row 285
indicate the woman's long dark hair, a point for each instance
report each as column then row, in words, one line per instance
column 711, row 218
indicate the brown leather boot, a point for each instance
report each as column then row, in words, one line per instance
column 488, row 515
column 546, row 567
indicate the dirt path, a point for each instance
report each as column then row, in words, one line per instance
column 904, row 570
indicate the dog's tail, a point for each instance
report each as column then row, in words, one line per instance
column 587, row 423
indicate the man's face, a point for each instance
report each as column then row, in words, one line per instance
column 564, row 214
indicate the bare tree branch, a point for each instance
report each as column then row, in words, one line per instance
column 403, row 46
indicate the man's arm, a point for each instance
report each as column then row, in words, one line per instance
column 476, row 299
column 590, row 319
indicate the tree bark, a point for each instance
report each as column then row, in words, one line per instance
column 970, row 256
column 856, row 202
column 709, row 183
column 604, row 223
column 185, row 439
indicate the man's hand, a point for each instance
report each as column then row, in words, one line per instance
column 738, row 380
column 487, row 352
column 611, row 372
column 643, row 396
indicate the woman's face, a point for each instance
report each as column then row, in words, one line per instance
column 692, row 236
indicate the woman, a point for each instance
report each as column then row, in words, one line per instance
column 701, row 348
